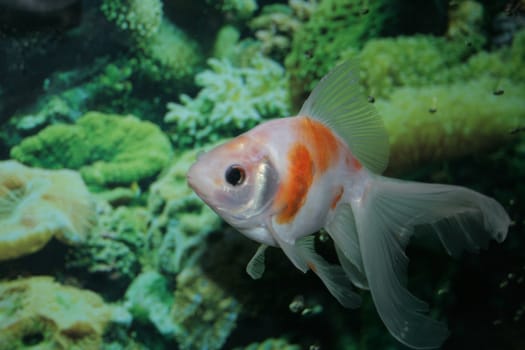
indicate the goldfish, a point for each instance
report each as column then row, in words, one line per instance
column 287, row 178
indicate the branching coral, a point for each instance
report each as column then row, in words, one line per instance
column 107, row 149
column 39, row 313
column 233, row 99
column 37, row 204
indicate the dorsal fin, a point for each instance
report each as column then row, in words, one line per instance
column 337, row 101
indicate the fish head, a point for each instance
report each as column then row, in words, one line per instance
column 238, row 180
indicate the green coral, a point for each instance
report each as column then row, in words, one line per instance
column 277, row 24
column 39, row 313
column 445, row 121
column 182, row 220
column 138, row 17
column 233, row 99
column 236, row 10
column 414, row 61
column 204, row 314
column 271, row 344
column 199, row 315
column 115, row 246
column 165, row 54
column 420, row 60
column 334, row 26
column 169, row 56
column 107, row 149
column 149, row 300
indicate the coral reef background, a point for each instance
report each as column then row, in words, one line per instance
column 104, row 105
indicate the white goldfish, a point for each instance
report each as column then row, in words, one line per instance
column 288, row 178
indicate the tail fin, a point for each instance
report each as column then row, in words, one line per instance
column 385, row 219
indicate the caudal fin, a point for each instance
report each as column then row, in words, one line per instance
column 386, row 217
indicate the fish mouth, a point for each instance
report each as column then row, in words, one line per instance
column 193, row 183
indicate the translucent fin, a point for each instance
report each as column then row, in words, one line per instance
column 333, row 277
column 303, row 256
column 292, row 252
column 255, row 267
column 337, row 101
column 385, row 220
column 344, row 233
column 357, row 277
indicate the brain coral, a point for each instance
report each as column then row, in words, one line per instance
column 106, row 149
column 38, row 313
column 37, row 204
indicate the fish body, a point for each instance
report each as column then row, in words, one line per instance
column 287, row 178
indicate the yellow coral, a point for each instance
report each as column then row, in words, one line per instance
column 38, row 204
column 440, row 122
column 39, row 313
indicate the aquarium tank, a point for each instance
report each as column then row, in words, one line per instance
column 105, row 105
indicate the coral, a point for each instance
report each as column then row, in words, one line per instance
column 39, row 313
column 233, row 99
column 182, row 219
column 389, row 63
column 276, row 25
column 169, row 56
column 165, row 54
column 414, row 61
column 69, row 94
column 149, row 301
column 115, row 246
column 271, row 344
column 445, row 121
column 226, row 42
column 334, row 26
column 203, row 313
column 106, row 149
column 141, row 19
column 236, row 10
column 200, row 315
column 37, row 205
column 465, row 22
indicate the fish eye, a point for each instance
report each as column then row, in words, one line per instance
column 234, row 175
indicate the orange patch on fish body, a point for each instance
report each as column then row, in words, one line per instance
column 352, row 162
column 292, row 192
column 323, row 142
column 337, row 197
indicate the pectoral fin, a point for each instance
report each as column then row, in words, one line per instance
column 303, row 256
column 256, row 267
